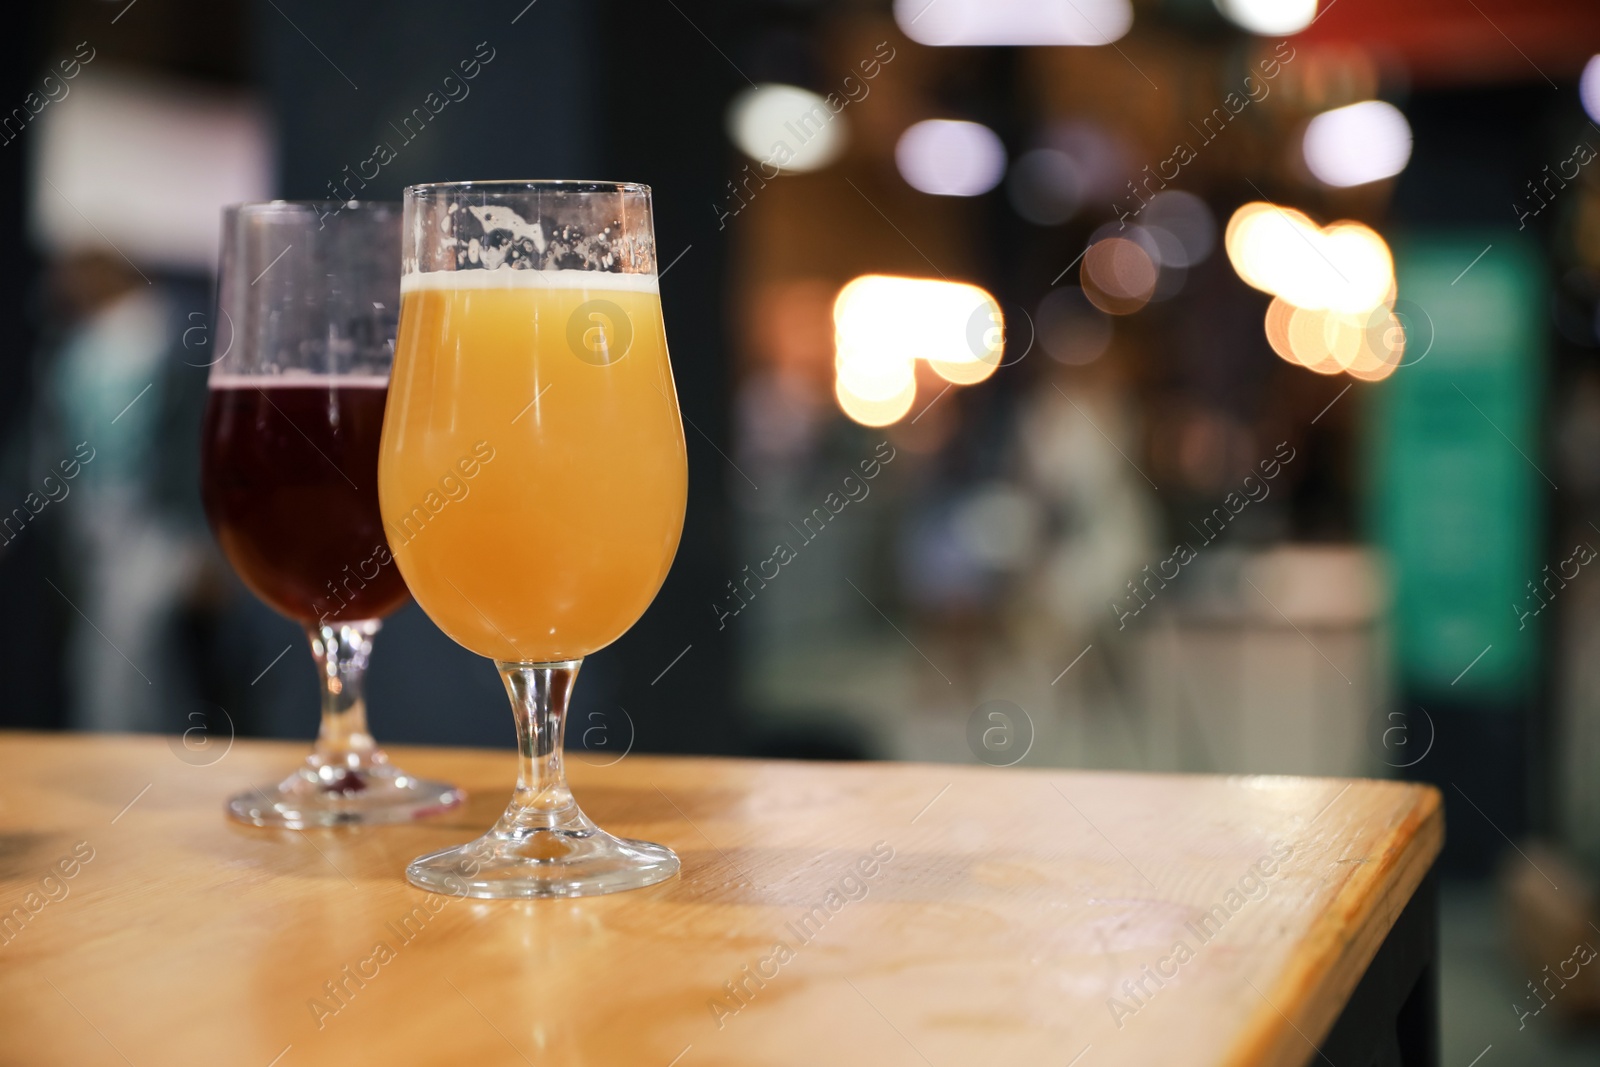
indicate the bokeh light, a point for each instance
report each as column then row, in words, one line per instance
column 1118, row 274
column 786, row 127
column 1383, row 346
column 1589, row 88
column 1169, row 256
column 1367, row 347
column 1277, row 329
column 1046, row 186
column 1308, row 338
column 1345, row 267
column 1334, row 290
column 1270, row 17
column 1304, row 332
column 1013, row 22
column 1376, row 374
column 875, row 412
column 873, row 374
column 987, row 338
column 884, row 324
column 1361, row 143
column 1265, row 242
column 948, row 157
column 1362, row 268
column 1187, row 218
column 1071, row 329
column 1103, row 159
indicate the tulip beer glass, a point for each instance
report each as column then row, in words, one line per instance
column 533, row 481
column 308, row 295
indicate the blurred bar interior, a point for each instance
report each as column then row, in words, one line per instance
column 1174, row 385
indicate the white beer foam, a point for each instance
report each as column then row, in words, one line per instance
column 297, row 379
column 530, row 279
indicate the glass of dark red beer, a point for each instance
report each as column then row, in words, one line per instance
column 308, row 302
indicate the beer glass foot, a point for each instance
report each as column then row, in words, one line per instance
column 524, row 864
column 331, row 795
column 544, row 845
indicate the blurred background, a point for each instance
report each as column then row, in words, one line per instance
column 1175, row 385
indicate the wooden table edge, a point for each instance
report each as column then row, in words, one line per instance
column 1299, row 1010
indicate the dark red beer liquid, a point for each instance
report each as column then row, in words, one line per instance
column 289, row 479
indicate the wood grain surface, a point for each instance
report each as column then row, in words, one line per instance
column 826, row 914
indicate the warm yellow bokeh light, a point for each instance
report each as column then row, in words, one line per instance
column 969, row 373
column 1361, row 265
column 1383, row 346
column 873, row 375
column 884, row 324
column 1344, row 336
column 1382, row 371
column 918, row 318
column 986, row 338
column 1345, row 267
column 1308, row 337
column 1367, row 347
column 1312, row 352
column 875, row 412
column 1233, row 236
column 1333, row 289
column 1277, row 327
column 1270, row 246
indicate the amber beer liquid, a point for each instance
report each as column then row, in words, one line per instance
column 553, row 547
column 289, row 480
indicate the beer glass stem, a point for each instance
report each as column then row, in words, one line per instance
column 347, row 778
column 544, row 845
column 540, row 693
column 342, row 651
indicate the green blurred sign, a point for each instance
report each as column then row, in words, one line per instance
column 1455, row 498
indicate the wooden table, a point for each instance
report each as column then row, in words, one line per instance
column 826, row 914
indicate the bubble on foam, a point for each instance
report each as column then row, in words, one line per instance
column 492, row 217
column 496, row 236
column 509, row 278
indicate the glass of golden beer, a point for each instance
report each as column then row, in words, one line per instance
column 532, row 480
